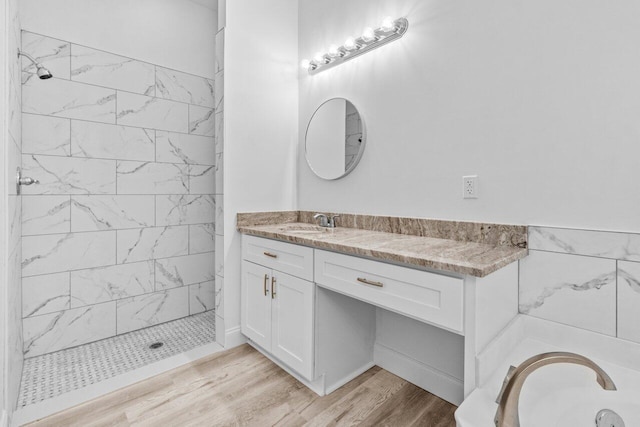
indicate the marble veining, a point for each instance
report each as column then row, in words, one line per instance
column 97, row 140
column 45, row 135
column 149, row 112
column 152, row 178
column 45, row 294
column 46, row 215
column 186, row 209
column 74, row 100
column 201, row 120
column 64, row 329
column 150, row 309
column 202, row 179
column 174, row 147
column 629, row 300
column 201, row 297
column 96, row 285
column 187, row 270
column 570, row 289
column 201, row 238
column 93, row 213
column 51, row 53
column 67, row 175
column 152, row 243
column 178, row 86
column 603, row 244
column 109, row 70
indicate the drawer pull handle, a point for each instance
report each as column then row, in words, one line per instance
column 270, row 255
column 370, row 282
column 266, row 277
column 273, row 289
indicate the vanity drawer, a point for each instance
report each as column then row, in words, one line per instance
column 285, row 257
column 428, row 297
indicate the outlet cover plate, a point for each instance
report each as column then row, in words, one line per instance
column 470, row 187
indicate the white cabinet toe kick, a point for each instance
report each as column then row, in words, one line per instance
column 327, row 317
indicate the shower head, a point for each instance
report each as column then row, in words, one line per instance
column 42, row 72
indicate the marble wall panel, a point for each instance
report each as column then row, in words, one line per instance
column 629, row 300
column 96, row 285
column 570, row 289
column 98, row 140
column 602, row 244
column 64, row 98
column 185, row 209
column 150, row 309
column 46, row 135
column 152, row 243
column 201, row 297
column 202, row 179
column 93, row 213
column 55, row 253
column 46, row 215
column 152, row 178
column 45, row 294
column 174, row 147
column 149, row 112
column 182, row 271
column 69, row 328
column 68, row 175
column 113, row 71
column 201, row 238
column 183, row 87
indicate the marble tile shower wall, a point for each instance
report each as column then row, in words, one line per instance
column 119, row 234
column 219, row 222
column 587, row 279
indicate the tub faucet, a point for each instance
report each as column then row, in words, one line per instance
column 507, row 413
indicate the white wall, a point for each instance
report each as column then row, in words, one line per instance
column 177, row 34
column 540, row 98
column 260, row 124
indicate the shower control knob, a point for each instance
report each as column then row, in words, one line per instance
column 28, row 181
column 20, row 181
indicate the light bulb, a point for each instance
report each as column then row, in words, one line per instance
column 368, row 34
column 319, row 58
column 305, row 64
column 388, row 24
column 333, row 51
column 350, row 44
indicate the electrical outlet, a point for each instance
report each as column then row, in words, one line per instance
column 470, row 187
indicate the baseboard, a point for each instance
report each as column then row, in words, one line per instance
column 361, row 370
column 434, row 381
column 4, row 419
column 233, row 338
column 317, row 385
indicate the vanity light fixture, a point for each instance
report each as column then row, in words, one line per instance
column 390, row 30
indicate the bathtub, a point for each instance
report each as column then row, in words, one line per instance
column 561, row 395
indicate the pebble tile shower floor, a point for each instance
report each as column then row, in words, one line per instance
column 53, row 374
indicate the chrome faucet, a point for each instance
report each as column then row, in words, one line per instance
column 325, row 221
column 507, row 413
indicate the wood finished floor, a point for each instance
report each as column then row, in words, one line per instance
column 241, row 387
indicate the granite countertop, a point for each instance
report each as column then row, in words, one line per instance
column 464, row 257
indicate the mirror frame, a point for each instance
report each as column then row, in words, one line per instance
column 362, row 144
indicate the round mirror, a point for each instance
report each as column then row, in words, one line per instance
column 335, row 139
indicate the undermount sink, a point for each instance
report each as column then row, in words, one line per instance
column 305, row 229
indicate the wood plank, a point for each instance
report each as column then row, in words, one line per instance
column 241, row 387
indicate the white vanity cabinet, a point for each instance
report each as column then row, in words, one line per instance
column 278, row 308
column 327, row 317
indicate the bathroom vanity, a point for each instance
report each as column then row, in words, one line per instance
column 327, row 304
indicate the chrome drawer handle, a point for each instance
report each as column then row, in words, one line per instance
column 370, row 282
column 270, row 255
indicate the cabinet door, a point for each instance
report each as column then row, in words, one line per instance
column 255, row 314
column 292, row 323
